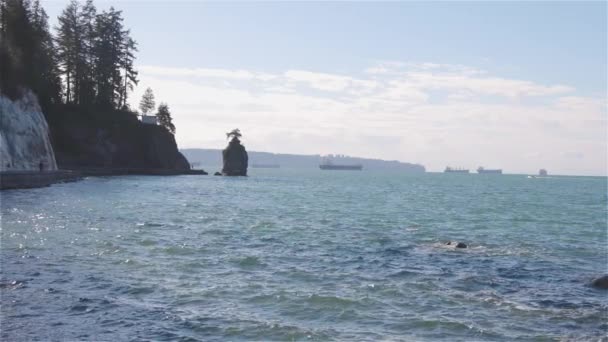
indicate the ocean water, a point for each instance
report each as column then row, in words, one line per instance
column 305, row 255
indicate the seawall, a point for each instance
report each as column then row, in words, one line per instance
column 35, row 179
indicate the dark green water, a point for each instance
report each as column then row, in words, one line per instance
column 305, row 255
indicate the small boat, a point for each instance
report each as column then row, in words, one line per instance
column 542, row 173
column 455, row 170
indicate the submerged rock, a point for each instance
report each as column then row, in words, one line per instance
column 456, row 244
column 601, row 282
column 235, row 159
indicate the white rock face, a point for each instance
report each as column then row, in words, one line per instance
column 24, row 136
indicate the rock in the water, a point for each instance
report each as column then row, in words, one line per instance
column 217, row 174
column 601, row 282
column 456, row 244
column 235, row 159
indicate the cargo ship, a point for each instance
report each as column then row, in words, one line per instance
column 340, row 167
column 455, row 170
column 327, row 164
column 494, row 171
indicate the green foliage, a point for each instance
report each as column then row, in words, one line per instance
column 91, row 57
column 108, row 49
column 235, row 134
column 164, row 117
column 27, row 52
column 96, row 56
column 126, row 62
column 147, row 104
column 89, row 64
column 69, row 49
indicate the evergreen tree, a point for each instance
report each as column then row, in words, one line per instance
column 92, row 54
column 86, row 61
column 164, row 117
column 26, row 51
column 147, row 103
column 126, row 62
column 13, row 23
column 69, row 49
column 108, row 50
column 43, row 71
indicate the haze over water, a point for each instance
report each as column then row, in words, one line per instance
column 305, row 255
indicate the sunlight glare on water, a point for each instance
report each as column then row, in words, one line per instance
column 305, row 255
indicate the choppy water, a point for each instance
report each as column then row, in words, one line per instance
column 305, row 255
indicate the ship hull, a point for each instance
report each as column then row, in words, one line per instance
column 456, row 171
column 341, row 167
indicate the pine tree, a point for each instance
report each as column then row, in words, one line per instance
column 108, row 49
column 69, row 49
column 14, row 21
column 43, row 71
column 27, row 52
column 129, row 46
column 147, row 103
column 86, row 61
column 164, row 117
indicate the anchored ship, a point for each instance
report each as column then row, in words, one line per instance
column 340, row 167
column 495, row 171
column 455, row 170
column 327, row 164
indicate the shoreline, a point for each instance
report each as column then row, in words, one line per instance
column 38, row 179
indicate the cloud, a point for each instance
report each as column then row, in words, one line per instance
column 435, row 114
column 204, row 72
column 330, row 82
column 483, row 85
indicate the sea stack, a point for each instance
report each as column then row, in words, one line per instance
column 234, row 156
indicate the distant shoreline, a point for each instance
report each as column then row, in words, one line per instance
column 208, row 156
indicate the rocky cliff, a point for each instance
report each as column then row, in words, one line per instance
column 24, row 136
column 92, row 138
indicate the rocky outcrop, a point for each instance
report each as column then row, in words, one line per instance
column 600, row 283
column 235, row 159
column 456, row 244
column 24, row 136
column 90, row 139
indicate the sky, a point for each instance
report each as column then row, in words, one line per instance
column 512, row 85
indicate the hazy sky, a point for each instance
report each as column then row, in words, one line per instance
column 512, row 85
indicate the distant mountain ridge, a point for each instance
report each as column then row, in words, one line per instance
column 213, row 157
